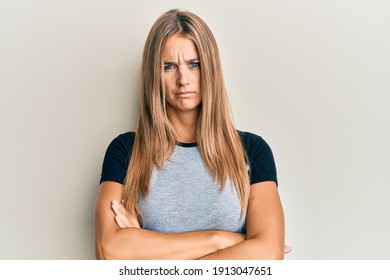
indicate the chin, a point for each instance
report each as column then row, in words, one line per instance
column 185, row 107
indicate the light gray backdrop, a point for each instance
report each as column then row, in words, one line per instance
column 311, row 77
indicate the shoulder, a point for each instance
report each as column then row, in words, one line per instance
column 121, row 147
column 125, row 138
column 252, row 142
column 123, row 142
column 260, row 158
column 116, row 159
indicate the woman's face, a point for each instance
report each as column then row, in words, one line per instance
column 181, row 75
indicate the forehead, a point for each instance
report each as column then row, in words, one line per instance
column 177, row 46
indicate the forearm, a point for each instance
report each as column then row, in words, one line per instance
column 118, row 236
column 255, row 248
column 135, row 243
column 264, row 227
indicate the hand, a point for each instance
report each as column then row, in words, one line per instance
column 122, row 218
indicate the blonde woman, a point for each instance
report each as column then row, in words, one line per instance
column 187, row 184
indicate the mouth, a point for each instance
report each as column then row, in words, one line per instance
column 184, row 93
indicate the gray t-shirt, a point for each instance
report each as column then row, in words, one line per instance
column 183, row 196
column 192, row 201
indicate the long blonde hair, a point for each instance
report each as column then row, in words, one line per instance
column 218, row 141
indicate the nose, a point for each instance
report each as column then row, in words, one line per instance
column 183, row 77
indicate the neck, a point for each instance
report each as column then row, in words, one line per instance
column 185, row 125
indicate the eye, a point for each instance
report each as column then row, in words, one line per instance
column 194, row 64
column 168, row 67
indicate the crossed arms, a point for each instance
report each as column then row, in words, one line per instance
column 119, row 236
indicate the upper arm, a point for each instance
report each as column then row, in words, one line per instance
column 265, row 218
column 105, row 224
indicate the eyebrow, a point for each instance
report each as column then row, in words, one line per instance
column 187, row 61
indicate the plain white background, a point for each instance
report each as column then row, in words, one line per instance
column 310, row 77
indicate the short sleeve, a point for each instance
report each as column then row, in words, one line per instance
column 261, row 160
column 117, row 157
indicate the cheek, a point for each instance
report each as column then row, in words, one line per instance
column 195, row 79
column 168, row 83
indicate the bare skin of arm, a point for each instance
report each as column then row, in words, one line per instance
column 260, row 243
column 132, row 242
column 265, row 228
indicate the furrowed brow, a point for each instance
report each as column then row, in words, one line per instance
column 192, row 60
column 187, row 61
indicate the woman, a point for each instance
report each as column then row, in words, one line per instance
column 193, row 187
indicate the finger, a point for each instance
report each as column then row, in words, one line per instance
column 129, row 220
column 114, row 202
column 122, row 209
column 115, row 209
column 134, row 222
column 124, row 220
column 119, row 222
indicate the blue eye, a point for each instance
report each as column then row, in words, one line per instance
column 168, row 67
column 194, row 65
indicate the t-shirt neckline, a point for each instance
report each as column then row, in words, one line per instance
column 187, row 145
